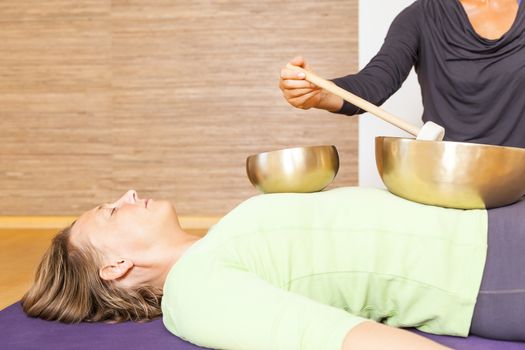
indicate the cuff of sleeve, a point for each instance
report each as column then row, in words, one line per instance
column 347, row 108
column 341, row 330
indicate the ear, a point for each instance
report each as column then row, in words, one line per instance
column 116, row 270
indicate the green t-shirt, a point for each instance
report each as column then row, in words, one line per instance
column 298, row 271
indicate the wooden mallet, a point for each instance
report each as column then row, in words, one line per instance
column 430, row 131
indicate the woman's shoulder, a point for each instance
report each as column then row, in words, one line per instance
column 439, row 8
column 431, row 8
column 427, row 15
column 408, row 20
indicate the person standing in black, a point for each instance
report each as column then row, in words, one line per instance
column 469, row 56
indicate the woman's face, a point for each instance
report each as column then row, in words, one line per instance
column 130, row 227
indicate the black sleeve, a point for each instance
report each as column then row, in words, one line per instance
column 385, row 73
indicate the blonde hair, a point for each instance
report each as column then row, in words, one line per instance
column 67, row 288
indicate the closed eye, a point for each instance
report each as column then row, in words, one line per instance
column 111, row 211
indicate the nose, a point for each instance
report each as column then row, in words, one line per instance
column 130, row 196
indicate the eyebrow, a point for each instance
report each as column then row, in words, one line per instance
column 97, row 210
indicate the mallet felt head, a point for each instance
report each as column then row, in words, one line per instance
column 431, row 132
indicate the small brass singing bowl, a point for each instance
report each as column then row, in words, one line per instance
column 300, row 169
column 451, row 174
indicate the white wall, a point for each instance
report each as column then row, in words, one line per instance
column 375, row 17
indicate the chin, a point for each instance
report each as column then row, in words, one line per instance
column 165, row 210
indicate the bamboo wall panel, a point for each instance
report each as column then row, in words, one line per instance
column 55, row 101
column 164, row 96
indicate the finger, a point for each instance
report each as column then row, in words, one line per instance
column 302, row 101
column 305, row 67
column 287, row 73
column 298, row 61
column 297, row 84
column 294, row 93
column 294, row 68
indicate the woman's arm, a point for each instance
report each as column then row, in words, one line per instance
column 374, row 336
column 234, row 309
column 390, row 67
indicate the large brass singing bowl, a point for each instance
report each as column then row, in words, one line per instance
column 300, row 169
column 451, row 174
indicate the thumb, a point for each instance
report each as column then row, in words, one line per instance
column 298, row 61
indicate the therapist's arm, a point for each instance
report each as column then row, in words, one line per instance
column 376, row 336
column 389, row 68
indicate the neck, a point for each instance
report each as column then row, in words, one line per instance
column 491, row 19
column 488, row 3
column 181, row 242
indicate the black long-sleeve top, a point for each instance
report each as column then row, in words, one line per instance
column 472, row 86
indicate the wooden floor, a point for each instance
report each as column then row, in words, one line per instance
column 20, row 251
column 22, row 247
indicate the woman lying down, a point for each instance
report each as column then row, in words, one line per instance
column 341, row 269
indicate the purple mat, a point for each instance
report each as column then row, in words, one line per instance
column 473, row 343
column 19, row 332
